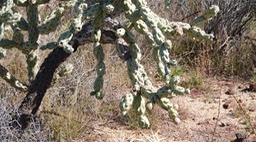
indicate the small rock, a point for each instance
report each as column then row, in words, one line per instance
column 241, row 86
column 231, row 90
column 229, row 104
column 225, row 106
column 239, row 137
column 252, row 87
column 232, row 103
column 222, row 124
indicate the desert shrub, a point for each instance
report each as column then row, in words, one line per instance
column 35, row 131
column 233, row 52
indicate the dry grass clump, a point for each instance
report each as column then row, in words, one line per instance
column 69, row 110
column 35, row 131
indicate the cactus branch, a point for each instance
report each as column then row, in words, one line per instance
column 9, row 78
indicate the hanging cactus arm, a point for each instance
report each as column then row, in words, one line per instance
column 100, row 67
column 157, row 32
column 207, row 15
column 78, row 15
column 148, row 19
column 8, row 77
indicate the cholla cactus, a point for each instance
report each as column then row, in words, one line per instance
column 35, row 26
column 100, row 14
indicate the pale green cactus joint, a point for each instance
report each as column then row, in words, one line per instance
column 8, row 77
column 207, row 15
column 167, row 4
column 64, row 41
column 2, row 53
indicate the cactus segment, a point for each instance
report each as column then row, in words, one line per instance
column 32, row 13
column 129, row 7
column 100, row 67
column 78, row 9
column 1, row 30
column 21, row 2
column 51, row 22
column 167, row 4
column 2, row 53
column 139, row 104
column 126, row 103
column 108, row 8
column 17, row 35
column 64, row 41
column 91, row 12
column 144, row 122
column 50, row 45
column 8, row 77
column 7, row 15
column 141, row 27
column 32, row 65
column 23, row 24
column 139, row 3
column 98, row 84
column 207, row 15
column 6, row 44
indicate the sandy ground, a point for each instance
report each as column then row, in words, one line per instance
column 223, row 114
